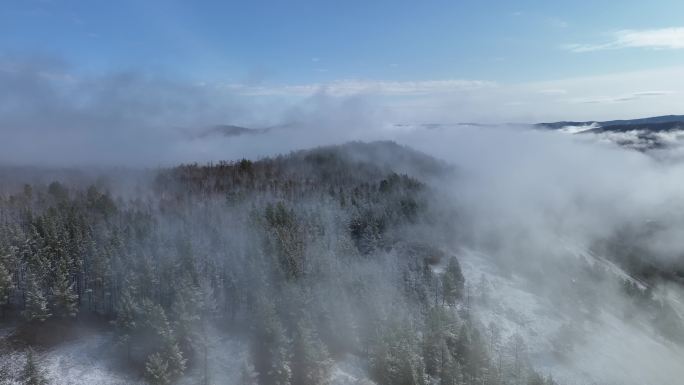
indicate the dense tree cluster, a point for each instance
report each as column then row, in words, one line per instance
column 314, row 256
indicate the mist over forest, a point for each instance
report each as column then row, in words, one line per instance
column 328, row 193
column 548, row 259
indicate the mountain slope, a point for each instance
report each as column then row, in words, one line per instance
column 657, row 122
column 645, row 134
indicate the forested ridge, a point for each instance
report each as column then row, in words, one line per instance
column 313, row 256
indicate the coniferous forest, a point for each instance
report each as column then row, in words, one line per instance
column 312, row 258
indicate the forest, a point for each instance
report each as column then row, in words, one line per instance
column 310, row 257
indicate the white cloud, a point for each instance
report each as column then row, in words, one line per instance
column 553, row 91
column 647, row 93
column 133, row 118
column 663, row 38
column 355, row 87
column 624, row 97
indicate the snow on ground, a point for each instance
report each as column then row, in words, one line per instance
column 87, row 360
column 619, row 353
column 226, row 357
column 578, row 129
column 592, row 259
column 509, row 305
column 606, row 350
column 349, row 371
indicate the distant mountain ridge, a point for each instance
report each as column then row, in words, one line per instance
column 644, row 134
column 656, row 124
column 228, row 130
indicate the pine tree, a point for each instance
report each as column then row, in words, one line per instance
column 176, row 360
column 310, row 362
column 395, row 359
column 493, row 337
column 157, row 370
column 433, row 340
column 5, row 283
column 64, row 297
column 186, row 313
column 33, row 374
column 450, row 372
column 452, row 282
column 477, row 361
column 270, row 346
column 280, row 371
column 208, row 310
column 155, row 320
column 125, row 323
column 36, row 304
column 517, row 351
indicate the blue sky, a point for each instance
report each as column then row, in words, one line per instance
column 442, row 50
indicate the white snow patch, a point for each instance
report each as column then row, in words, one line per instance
column 349, row 371
column 578, row 129
column 226, row 355
column 85, row 361
column 607, row 350
column 88, row 360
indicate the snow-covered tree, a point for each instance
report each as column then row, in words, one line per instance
column 310, row 360
column 450, row 370
column 5, row 283
column 36, row 308
column 270, row 346
column 65, row 300
column 157, row 370
column 452, row 282
column 125, row 323
column 396, row 358
column 33, row 374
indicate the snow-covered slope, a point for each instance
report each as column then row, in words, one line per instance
column 607, row 348
column 87, row 360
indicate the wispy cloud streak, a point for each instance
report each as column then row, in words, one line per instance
column 354, row 87
column 663, row 38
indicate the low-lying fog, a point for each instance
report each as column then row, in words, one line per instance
column 538, row 204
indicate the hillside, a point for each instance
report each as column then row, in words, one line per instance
column 313, row 266
column 654, row 123
column 646, row 134
column 345, row 264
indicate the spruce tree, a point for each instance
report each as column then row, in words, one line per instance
column 175, row 358
column 36, row 303
column 452, row 282
column 310, row 361
column 64, row 298
column 125, row 323
column 395, row 358
column 33, row 374
column 270, row 345
column 157, row 370
column 450, row 371
column 5, row 284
